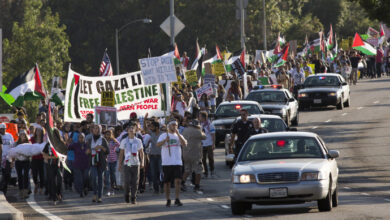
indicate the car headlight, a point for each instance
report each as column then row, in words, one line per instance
column 245, row 178
column 332, row 94
column 311, row 176
column 302, row 95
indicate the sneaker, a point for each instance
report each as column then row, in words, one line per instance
column 94, row 199
column 127, row 198
column 178, row 203
column 183, row 188
column 212, row 174
column 168, row 203
column 112, row 192
column 99, row 200
column 108, row 193
column 133, row 201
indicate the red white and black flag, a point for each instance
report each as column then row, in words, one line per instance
column 105, row 66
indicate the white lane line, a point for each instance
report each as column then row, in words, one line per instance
column 344, row 114
column 387, row 200
column 376, row 102
column 225, row 206
column 31, row 202
column 248, row 216
column 346, row 187
column 210, row 199
column 359, row 108
column 327, row 121
column 314, row 127
column 365, row 194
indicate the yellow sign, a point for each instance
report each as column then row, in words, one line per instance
column 179, row 84
column 312, row 66
column 107, row 98
column 345, row 44
column 191, row 77
column 218, row 69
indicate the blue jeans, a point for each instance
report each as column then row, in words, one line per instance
column 155, row 170
column 80, row 179
column 97, row 175
column 112, row 169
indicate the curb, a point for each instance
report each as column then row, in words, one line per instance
column 7, row 211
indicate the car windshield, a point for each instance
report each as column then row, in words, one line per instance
column 267, row 96
column 281, row 148
column 233, row 110
column 273, row 124
column 316, row 81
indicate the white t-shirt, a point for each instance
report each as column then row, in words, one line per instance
column 131, row 148
column 180, row 108
column 209, row 130
column 8, row 142
column 298, row 77
column 170, row 155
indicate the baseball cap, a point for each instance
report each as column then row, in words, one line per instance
column 133, row 115
column 2, row 125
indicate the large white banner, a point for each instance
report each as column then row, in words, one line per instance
column 83, row 94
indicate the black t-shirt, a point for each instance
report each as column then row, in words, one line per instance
column 243, row 130
column 259, row 131
column 354, row 61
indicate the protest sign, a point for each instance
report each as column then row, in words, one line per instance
column 158, row 70
column 83, row 93
column 209, row 79
column 13, row 130
column 372, row 32
column 207, row 89
column 373, row 41
column 263, row 80
column 191, row 77
column 5, row 118
column 218, row 68
column 207, row 68
column 107, row 98
column 105, row 115
column 312, row 66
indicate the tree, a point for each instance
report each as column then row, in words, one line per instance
column 376, row 9
column 37, row 39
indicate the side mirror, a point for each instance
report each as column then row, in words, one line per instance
column 292, row 129
column 291, row 100
column 344, row 83
column 334, row 154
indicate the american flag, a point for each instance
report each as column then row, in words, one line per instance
column 105, row 66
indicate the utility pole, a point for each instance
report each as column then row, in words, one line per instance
column 242, row 10
column 264, row 27
column 172, row 14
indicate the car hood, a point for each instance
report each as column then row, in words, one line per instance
column 224, row 121
column 280, row 165
column 319, row 89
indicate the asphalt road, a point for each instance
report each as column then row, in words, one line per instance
column 361, row 133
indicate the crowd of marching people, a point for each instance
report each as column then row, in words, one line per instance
column 150, row 153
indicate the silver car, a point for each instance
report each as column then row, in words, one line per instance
column 284, row 168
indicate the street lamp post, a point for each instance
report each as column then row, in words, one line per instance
column 145, row 21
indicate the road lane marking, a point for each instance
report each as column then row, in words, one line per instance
column 210, row 199
column 31, row 202
column 387, row 200
column 365, row 194
column 314, row 127
column 327, row 121
column 248, row 216
column 376, row 102
column 359, row 108
column 225, row 206
column 346, row 187
column 344, row 114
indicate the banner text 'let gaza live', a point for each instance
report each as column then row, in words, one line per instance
column 83, row 93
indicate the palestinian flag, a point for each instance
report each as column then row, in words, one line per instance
column 381, row 36
column 360, row 45
column 58, row 97
column 315, row 46
column 241, row 58
column 57, row 145
column 283, row 59
column 176, row 56
column 329, row 41
column 27, row 86
column 199, row 58
column 277, row 51
column 215, row 59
